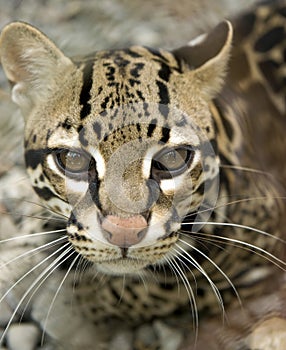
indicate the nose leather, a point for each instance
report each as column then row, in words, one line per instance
column 124, row 232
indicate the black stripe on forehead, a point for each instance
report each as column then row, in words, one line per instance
column 165, row 135
column 85, row 94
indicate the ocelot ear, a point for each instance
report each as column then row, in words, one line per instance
column 207, row 57
column 32, row 63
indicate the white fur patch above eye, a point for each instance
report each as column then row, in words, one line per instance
column 52, row 165
column 100, row 162
column 183, row 136
column 147, row 161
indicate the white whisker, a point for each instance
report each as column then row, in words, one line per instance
column 52, row 267
column 169, row 261
column 31, row 235
column 46, row 208
column 195, row 316
column 249, row 228
column 34, row 251
column 45, row 218
column 244, row 245
column 30, row 288
column 206, row 275
column 237, row 201
column 242, row 168
column 58, row 289
column 192, row 261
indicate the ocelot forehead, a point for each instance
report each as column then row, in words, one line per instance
column 113, row 97
column 124, row 125
column 134, row 75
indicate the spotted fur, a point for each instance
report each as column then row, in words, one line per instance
column 216, row 222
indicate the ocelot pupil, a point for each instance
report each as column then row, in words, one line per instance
column 73, row 161
column 171, row 162
column 174, row 159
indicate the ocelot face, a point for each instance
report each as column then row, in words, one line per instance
column 121, row 143
column 126, row 187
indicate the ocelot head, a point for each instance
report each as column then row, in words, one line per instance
column 122, row 143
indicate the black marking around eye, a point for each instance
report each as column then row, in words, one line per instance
column 85, row 94
column 93, row 186
column 270, row 39
column 35, row 157
column 45, row 193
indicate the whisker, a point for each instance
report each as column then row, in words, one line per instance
column 247, row 169
column 52, row 266
column 206, row 275
column 234, row 225
column 29, row 289
column 192, row 261
column 246, row 246
column 169, row 261
column 190, row 293
column 46, row 208
column 34, row 250
column 15, row 213
column 142, row 278
column 237, row 201
column 31, row 270
column 31, row 235
column 79, row 270
column 58, row 289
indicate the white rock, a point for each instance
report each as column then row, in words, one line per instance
column 23, row 336
column 170, row 338
column 121, row 340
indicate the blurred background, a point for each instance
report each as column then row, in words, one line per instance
column 84, row 26
column 88, row 25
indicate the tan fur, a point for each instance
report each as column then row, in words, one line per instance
column 122, row 110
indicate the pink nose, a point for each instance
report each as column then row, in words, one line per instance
column 124, row 232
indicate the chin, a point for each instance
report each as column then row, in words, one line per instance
column 122, row 266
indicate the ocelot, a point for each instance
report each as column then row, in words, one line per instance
column 166, row 171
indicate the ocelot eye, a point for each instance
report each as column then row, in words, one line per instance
column 172, row 162
column 72, row 162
